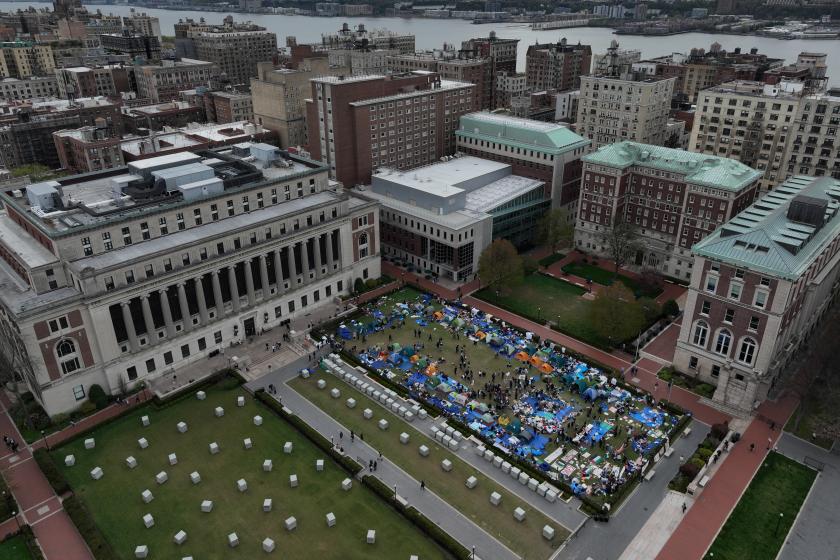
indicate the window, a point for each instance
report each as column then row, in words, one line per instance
column 760, row 299
column 185, row 259
column 246, row 206
column 706, row 308
column 129, row 277
column 711, row 283
column 291, row 307
column 363, row 245
column 144, row 231
column 179, row 218
column 746, row 354
column 214, row 212
column 67, row 356
column 735, row 290
column 167, row 358
column 202, row 344
column 126, row 234
column 150, row 366
column 739, row 273
column 701, row 334
column 692, row 362
column 86, row 247
column 150, row 271
column 131, row 372
column 109, row 283
column 230, row 210
column 715, row 371
column 197, row 216
column 185, row 351
column 765, row 281
column 754, row 321
column 729, row 316
column 724, row 340
column 167, row 264
column 163, row 227
column 304, row 301
column 217, row 337
column 106, row 240
column 79, row 392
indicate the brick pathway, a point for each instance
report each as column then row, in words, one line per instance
column 703, row 521
column 40, row 507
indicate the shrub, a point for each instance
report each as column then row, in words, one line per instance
column 359, row 285
column 705, row 390
column 704, row 454
column 87, row 407
column 51, row 471
column 697, row 462
column 710, row 442
column 97, row 396
column 690, row 470
column 530, row 265
column 7, row 501
column 371, row 283
column 670, row 308
column 551, row 259
column 31, row 544
column 719, row 431
column 27, row 413
column 650, row 309
column 83, row 521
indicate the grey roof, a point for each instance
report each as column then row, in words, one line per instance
column 762, row 238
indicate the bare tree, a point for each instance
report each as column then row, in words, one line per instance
column 621, row 240
column 15, row 366
column 500, row 266
column 554, row 230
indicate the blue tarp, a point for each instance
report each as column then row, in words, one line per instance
column 648, row 417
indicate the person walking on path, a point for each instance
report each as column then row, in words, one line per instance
column 422, row 485
column 752, row 447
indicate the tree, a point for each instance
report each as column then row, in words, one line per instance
column 671, row 308
column 616, row 314
column 621, row 240
column 500, row 266
column 554, row 230
column 15, row 366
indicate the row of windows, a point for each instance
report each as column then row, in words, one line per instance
column 723, row 343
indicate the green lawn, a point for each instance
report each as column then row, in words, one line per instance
column 523, row 538
column 754, row 530
column 117, row 507
column 607, row 277
column 14, row 549
column 543, row 298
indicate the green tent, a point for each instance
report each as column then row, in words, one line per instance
column 395, row 347
column 458, row 322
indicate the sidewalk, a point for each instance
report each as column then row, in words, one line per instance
column 704, row 520
column 40, row 507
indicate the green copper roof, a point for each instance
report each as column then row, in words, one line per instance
column 763, row 237
column 528, row 134
column 712, row 171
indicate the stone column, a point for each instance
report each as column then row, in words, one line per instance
column 234, row 288
column 167, row 313
column 186, row 318
column 304, row 260
column 147, row 318
column 264, row 276
column 333, row 256
column 202, row 303
column 217, row 294
column 278, row 270
column 293, row 264
column 249, row 282
column 319, row 256
column 129, row 327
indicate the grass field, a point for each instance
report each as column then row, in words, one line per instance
column 543, row 298
column 754, row 530
column 14, row 549
column 117, row 507
column 606, row 278
column 523, row 538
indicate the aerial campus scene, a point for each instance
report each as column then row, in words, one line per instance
column 481, row 280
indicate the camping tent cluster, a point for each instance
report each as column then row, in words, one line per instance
column 540, row 425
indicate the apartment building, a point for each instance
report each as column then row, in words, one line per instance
column 231, row 106
column 127, row 42
column 236, row 53
column 279, row 97
column 87, row 149
column 812, row 148
column 359, row 123
column 14, row 89
column 548, row 152
column 673, row 198
column 85, row 81
column 500, row 52
column 616, row 61
column 508, row 86
column 360, row 61
column 170, row 260
column 450, row 65
column 760, row 287
column 556, row 66
column 347, row 38
column 634, row 108
column 141, row 23
column 752, row 122
column 164, row 82
column 22, row 59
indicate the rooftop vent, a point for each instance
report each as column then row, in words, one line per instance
column 806, row 209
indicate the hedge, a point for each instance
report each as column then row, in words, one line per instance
column 84, row 522
column 433, row 530
column 7, row 503
column 51, row 471
column 31, row 543
column 310, row 433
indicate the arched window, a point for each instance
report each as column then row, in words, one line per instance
column 724, row 341
column 701, row 334
column 68, row 357
column 363, row 245
column 746, row 354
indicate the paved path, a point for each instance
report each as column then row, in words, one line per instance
column 427, row 502
column 815, row 535
column 40, row 507
column 703, row 521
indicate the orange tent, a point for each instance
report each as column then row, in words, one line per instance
column 438, row 315
column 431, row 370
column 480, row 335
column 536, row 361
column 414, row 358
column 546, row 368
column 522, row 356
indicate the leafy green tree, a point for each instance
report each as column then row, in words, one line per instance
column 622, row 241
column 500, row 266
column 615, row 314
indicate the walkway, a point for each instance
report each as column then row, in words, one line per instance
column 814, row 536
column 427, row 502
column 40, row 507
column 704, row 520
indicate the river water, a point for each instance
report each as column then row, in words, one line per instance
column 433, row 33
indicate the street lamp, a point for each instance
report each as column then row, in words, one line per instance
column 44, row 439
column 15, row 514
column 778, row 522
column 539, row 314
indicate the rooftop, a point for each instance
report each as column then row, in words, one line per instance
column 518, row 132
column 159, row 143
column 764, row 237
column 702, row 169
column 443, row 85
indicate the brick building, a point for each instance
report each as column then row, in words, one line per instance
column 673, row 198
column 501, row 52
column 761, row 285
column 359, row 123
column 556, row 66
column 87, row 149
column 451, row 66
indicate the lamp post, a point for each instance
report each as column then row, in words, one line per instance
column 17, row 521
column 44, row 439
column 539, row 314
column 778, row 522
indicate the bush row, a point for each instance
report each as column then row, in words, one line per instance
column 431, row 529
column 310, row 433
column 551, row 259
column 31, row 544
column 84, row 522
column 7, row 502
column 51, row 471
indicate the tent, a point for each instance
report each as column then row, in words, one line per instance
column 438, row 315
column 431, row 370
column 514, row 426
column 522, row 356
column 480, row 335
column 546, row 368
column 504, row 420
column 536, row 361
column 458, row 322
column 414, row 358
column 396, row 347
column 508, row 349
column 407, row 351
column 444, row 388
column 487, row 418
column 493, row 340
column 582, row 385
column 422, row 362
column 395, row 358
column 590, row 394
column 461, row 399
